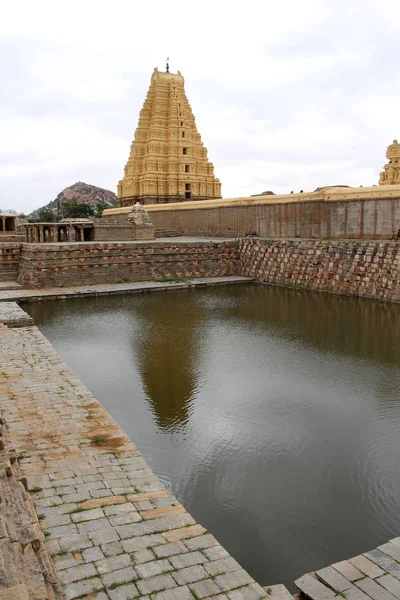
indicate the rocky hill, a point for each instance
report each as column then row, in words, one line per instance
column 81, row 193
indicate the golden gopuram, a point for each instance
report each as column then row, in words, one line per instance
column 168, row 161
column 391, row 171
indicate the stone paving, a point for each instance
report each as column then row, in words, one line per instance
column 113, row 531
column 105, row 289
column 13, row 316
column 373, row 575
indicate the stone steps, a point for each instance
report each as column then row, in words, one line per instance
column 8, row 274
column 10, row 285
column 162, row 233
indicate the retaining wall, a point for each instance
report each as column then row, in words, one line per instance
column 358, row 218
column 59, row 265
column 9, row 260
column 359, row 268
column 366, row 269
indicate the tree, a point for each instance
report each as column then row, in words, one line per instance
column 43, row 215
column 99, row 209
column 73, row 210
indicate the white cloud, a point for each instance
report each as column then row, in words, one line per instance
column 286, row 95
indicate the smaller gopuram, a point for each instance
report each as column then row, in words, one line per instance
column 168, row 161
column 391, row 171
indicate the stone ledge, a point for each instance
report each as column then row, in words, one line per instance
column 12, row 315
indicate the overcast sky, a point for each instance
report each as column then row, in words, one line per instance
column 287, row 95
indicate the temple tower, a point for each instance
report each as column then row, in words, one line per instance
column 168, row 161
column 391, row 171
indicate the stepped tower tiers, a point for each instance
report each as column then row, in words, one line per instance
column 391, row 171
column 168, row 161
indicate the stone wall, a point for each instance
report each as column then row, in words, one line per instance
column 366, row 269
column 356, row 218
column 113, row 232
column 358, row 268
column 9, row 260
column 58, row 265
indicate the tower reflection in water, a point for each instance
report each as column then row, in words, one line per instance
column 168, row 358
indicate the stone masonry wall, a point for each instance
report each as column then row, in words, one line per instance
column 366, row 269
column 9, row 260
column 60, row 265
column 360, row 218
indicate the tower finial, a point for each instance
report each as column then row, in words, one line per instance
column 167, row 64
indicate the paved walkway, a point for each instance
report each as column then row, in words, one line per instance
column 113, row 531
column 106, row 289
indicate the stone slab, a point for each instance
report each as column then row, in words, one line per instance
column 373, row 589
column 368, row 567
column 12, row 315
column 314, row 589
column 32, row 295
column 278, row 592
column 349, row 571
column 335, row 580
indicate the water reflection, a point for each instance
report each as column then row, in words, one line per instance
column 346, row 325
column 167, row 354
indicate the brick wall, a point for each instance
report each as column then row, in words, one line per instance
column 9, row 260
column 360, row 218
column 58, row 265
column 367, row 269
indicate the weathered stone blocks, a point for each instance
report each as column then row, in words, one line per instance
column 354, row 268
column 93, row 263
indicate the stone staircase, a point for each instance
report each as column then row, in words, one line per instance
column 9, row 265
column 12, row 284
column 26, row 569
column 165, row 233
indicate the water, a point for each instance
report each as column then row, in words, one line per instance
column 272, row 414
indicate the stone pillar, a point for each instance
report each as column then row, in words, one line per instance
column 71, row 234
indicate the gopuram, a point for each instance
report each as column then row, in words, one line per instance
column 168, row 161
column 391, row 171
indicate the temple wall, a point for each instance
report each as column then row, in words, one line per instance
column 366, row 269
column 119, row 232
column 358, row 218
column 60, row 265
column 9, row 260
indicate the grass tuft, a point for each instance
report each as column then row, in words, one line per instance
column 99, row 439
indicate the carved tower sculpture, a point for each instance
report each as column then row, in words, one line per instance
column 391, row 171
column 168, row 161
